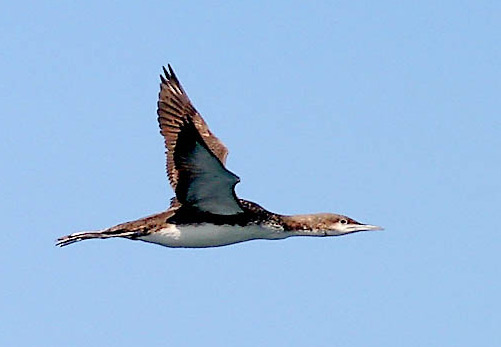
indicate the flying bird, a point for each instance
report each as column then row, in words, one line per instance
column 205, row 211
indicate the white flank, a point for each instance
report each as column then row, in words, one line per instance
column 209, row 235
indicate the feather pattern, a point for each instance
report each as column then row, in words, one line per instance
column 174, row 109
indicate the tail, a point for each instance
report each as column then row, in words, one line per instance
column 99, row 234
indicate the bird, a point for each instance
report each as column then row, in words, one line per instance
column 205, row 211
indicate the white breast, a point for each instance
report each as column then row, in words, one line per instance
column 210, row 235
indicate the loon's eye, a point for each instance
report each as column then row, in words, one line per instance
column 343, row 221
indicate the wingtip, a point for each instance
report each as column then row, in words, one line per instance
column 162, row 79
column 169, row 75
column 166, row 73
column 171, row 70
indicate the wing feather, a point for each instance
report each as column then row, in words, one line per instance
column 196, row 158
column 174, row 108
column 203, row 182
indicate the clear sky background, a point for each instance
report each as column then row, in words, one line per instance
column 386, row 111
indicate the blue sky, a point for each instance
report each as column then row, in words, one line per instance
column 385, row 111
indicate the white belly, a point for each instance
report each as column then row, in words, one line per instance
column 209, row 235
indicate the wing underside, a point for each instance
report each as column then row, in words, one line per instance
column 195, row 157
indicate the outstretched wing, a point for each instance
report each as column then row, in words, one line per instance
column 203, row 181
column 174, row 109
column 195, row 157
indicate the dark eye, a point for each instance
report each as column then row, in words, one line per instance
column 343, row 221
